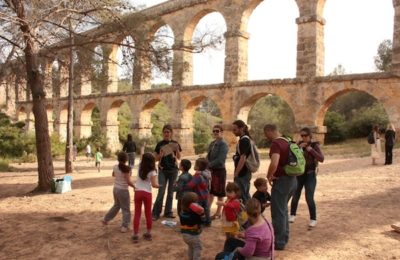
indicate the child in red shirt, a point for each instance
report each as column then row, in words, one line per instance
column 230, row 224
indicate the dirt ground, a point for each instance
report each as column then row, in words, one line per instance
column 356, row 203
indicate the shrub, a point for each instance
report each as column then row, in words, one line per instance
column 336, row 125
column 4, row 167
column 363, row 119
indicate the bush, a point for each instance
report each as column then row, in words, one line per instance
column 363, row 119
column 336, row 125
column 14, row 141
column 4, row 167
column 57, row 147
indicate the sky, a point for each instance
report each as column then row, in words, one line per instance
column 353, row 31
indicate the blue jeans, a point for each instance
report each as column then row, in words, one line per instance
column 244, row 185
column 165, row 177
column 282, row 189
column 309, row 181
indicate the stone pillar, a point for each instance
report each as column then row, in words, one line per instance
column 143, row 130
column 110, row 68
column 182, row 68
column 47, row 78
column 141, row 69
column 64, row 78
column 310, row 39
column 396, row 38
column 50, row 120
column 236, row 56
column 184, row 135
column 112, row 136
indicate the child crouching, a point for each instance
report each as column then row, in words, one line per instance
column 191, row 220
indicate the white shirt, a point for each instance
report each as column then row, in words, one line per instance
column 145, row 185
column 88, row 149
column 120, row 181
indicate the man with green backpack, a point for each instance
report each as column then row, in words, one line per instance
column 287, row 162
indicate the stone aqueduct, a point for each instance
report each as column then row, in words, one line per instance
column 309, row 94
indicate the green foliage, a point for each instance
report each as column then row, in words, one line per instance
column 125, row 122
column 364, row 118
column 336, row 125
column 13, row 139
column 124, row 85
column 383, row 60
column 57, row 147
column 350, row 102
column 160, row 116
column 4, row 166
column 202, row 132
column 272, row 110
column 352, row 116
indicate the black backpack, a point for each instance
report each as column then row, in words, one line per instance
column 370, row 138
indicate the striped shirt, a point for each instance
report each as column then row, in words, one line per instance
column 199, row 185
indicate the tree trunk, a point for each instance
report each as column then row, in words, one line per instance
column 35, row 84
column 69, row 165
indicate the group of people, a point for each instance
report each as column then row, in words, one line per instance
column 376, row 147
column 195, row 192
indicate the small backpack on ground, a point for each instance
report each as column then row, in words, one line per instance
column 253, row 160
column 370, row 138
column 296, row 162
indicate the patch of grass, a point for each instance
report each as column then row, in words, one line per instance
column 4, row 166
column 353, row 147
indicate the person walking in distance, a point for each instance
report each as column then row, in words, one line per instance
column 167, row 152
column 313, row 155
column 130, row 149
column 283, row 185
column 242, row 175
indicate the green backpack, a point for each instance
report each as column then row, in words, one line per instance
column 296, row 161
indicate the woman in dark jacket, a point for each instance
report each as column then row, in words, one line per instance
column 217, row 151
column 313, row 155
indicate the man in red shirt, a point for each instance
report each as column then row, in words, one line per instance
column 283, row 186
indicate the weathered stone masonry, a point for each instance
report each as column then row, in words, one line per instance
column 309, row 94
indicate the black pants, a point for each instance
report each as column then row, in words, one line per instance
column 388, row 154
column 230, row 245
column 309, row 182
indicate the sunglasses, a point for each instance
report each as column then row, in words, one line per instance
column 216, row 131
column 304, row 135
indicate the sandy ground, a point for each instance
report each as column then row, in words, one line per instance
column 356, row 204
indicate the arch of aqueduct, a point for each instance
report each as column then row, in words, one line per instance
column 309, row 94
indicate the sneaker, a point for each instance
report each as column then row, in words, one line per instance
column 292, row 218
column 147, row 236
column 155, row 218
column 135, row 239
column 312, row 223
column 124, row 229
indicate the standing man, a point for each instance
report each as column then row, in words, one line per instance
column 167, row 152
column 130, row 149
column 243, row 149
column 390, row 140
column 283, row 186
